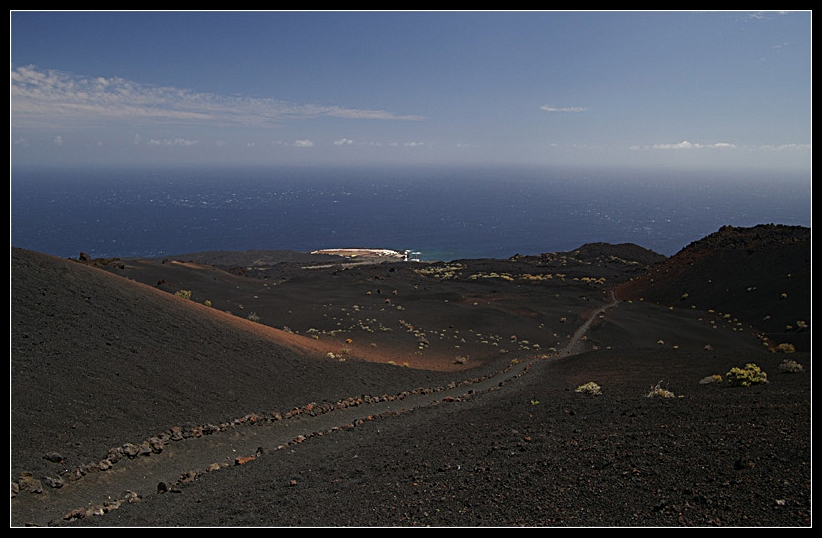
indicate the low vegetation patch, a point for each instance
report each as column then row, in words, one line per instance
column 658, row 391
column 589, row 388
column 785, row 348
column 444, row 272
column 791, row 366
column 716, row 378
column 745, row 377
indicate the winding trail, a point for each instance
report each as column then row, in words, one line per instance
column 570, row 348
column 99, row 492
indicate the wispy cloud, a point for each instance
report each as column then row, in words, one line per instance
column 47, row 98
column 549, row 108
column 788, row 147
column 393, row 144
column 763, row 14
column 178, row 142
column 685, row 145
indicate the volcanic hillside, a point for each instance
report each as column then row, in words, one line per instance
column 759, row 275
column 280, row 389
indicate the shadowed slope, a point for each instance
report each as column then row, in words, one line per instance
column 98, row 360
column 759, row 275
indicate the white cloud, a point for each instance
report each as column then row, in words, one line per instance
column 688, row 145
column 304, row 143
column 549, row 108
column 350, row 113
column 178, row 142
column 685, row 145
column 788, row 147
column 680, row 145
column 379, row 144
column 763, row 14
column 46, row 98
column 58, row 140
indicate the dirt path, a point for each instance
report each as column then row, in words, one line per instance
column 99, row 492
column 142, row 475
column 570, row 348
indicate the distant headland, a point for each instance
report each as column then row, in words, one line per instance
column 366, row 253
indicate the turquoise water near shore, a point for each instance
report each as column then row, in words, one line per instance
column 442, row 214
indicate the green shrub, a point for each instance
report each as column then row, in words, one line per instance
column 589, row 388
column 745, row 377
column 184, row 294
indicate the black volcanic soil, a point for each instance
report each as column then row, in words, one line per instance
column 323, row 392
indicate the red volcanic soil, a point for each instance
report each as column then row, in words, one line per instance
column 288, row 390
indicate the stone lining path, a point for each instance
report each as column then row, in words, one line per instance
column 134, row 474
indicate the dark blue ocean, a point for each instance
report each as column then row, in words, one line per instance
column 441, row 213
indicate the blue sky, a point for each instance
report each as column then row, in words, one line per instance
column 702, row 90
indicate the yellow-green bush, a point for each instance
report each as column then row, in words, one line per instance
column 589, row 388
column 745, row 377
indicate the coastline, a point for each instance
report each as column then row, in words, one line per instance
column 365, row 252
